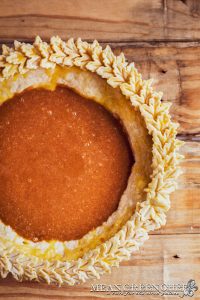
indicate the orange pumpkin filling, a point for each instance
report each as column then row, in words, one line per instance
column 64, row 164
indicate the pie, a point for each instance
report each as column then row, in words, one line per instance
column 88, row 158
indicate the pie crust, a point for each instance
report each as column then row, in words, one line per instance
column 99, row 75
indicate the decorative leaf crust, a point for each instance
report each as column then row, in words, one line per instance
column 150, row 214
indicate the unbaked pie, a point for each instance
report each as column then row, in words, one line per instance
column 88, row 158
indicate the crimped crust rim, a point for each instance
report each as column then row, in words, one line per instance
column 150, row 214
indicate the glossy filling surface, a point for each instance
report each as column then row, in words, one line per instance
column 64, row 164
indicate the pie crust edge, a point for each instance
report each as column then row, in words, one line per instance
column 150, row 214
column 93, row 88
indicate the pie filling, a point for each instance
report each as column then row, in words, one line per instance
column 64, row 164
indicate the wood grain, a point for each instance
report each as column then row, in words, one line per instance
column 176, row 72
column 162, row 37
column 169, row 259
column 184, row 215
column 113, row 20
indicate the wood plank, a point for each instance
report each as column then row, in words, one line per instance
column 172, row 253
column 176, row 72
column 184, row 215
column 112, row 20
column 162, row 259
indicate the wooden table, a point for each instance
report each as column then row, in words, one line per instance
column 162, row 37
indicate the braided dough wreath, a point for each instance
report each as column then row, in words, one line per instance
column 155, row 146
